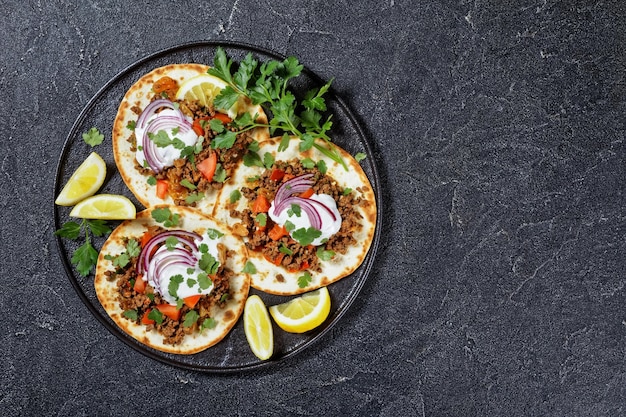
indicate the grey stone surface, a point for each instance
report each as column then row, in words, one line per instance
column 499, row 135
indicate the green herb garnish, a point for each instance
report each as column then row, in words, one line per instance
column 304, row 280
column 267, row 85
column 93, row 137
column 85, row 256
column 165, row 216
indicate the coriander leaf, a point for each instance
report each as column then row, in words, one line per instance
column 121, row 260
column 284, row 143
column 289, row 226
column 307, row 142
column 224, row 297
column 324, row 255
column 214, row 234
column 193, row 197
column 204, row 281
column 131, row 125
column 245, row 72
column 151, row 180
column 93, row 137
column 310, row 119
column 261, row 219
column 305, row 236
column 208, row 264
column 226, row 98
column 268, row 160
column 253, row 146
column 216, row 125
column 308, row 163
column 224, row 140
column 321, row 166
column 130, row 314
column 220, row 174
column 304, row 280
column 208, row 323
column 160, row 139
column 98, row 227
column 156, row 315
column 249, row 268
column 244, row 120
column 171, row 242
column 132, row 248
column 347, row 191
column 84, row 258
column 235, row 195
column 360, row 156
column 294, row 210
column 284, row 249
column 160, row 215
column 190, row 318
column 69, row 230
column 174, row 284
column 221, row 65
column 188, row 184
column 251, row 159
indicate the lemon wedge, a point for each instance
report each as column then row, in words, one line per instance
column 204, row 88
column 105, row 207
column 84, row 182
column 258, row 328
column 303, row 313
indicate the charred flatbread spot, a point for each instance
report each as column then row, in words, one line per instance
column 229, row 315
column 280, row 278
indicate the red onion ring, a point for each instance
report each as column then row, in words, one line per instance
column 293, row 186
column 144, row 256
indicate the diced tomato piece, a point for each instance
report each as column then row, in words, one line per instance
column 161, row 189
column 140, row 285
column 169, row 311
column 164, row 84
column 261, row 204
column 145, row 319
column 276, row 232
column 197, row 127
column 305, row 265
column 288, row 177
column 192, row 300
column 306, row 194
column 208, row 166
column 145, row 238
column 277, row 174
column 224, row 118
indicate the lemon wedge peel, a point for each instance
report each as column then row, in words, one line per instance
column 204, row 88
column 258, row 328
column 303, row 313
column 105, row 207
column 84, row 182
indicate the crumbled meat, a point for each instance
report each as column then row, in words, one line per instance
column 295, row 257
column 173, row 331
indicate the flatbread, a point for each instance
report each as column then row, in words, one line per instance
column 278, row 280
column 191, row 220
column 139, row 96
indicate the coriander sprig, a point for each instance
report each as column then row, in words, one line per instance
column 85, row 256
column 267, row 85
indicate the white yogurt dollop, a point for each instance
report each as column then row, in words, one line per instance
column 167, row 153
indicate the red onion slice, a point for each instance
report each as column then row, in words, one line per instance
column 145, row 254
column 305, row 204
column 293, row 186
column 151, row 109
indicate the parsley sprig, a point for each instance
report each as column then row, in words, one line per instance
column 267, row 84
column 85, row 256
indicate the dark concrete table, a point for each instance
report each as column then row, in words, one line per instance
column 499, row 135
